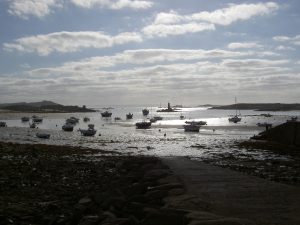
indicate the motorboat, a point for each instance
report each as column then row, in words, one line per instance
column 106, row 114
column 191, row 127
column 68, row 127
column 129, row 116
column 25, row 119
column 145, row 112
column 199, row 123
column 3, row 124
column 89, row 132
column 37, row 119
column 43, row 135
column 156, row 118
column 143, row 125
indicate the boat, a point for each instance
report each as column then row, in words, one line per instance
column 68, row 127
column 293, row 119
column 43, row 135
column 143, row 125
column 129, row 116
column 265, row 124
column 200, row 123
column 191, row 127
column 117, row 118
column 156, row 118
column 32, row 125
column 86, row 119
column 37, row 119
column 89, row 132
column 3, row 124
column 25, row 119
column 106, row 114
column 236, row 118
column 169, row 109
column 145, row 112
column 181, row 117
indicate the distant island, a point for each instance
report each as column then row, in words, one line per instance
column 43, row 107
column 261, row 106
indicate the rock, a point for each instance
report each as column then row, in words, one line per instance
column 187, row 202
column 166, row 186
column 176, row 191
column 168, row 179
column 156, row 194
column 224, row 221
column 156, row 217
column 156, row 174
column 201, row 215
column 85, row 200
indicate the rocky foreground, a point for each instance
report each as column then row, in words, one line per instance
column 54, row 185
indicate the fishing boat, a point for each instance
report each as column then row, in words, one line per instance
column 89, row 132
column 3, row 124
column 200, row 123
column 129, row 116
column 106, row 114
column 25, row 119
column 68, row 127
column 191, row 127
column 43, row 135
column 236, row 118
column 145, row 112
column 143, row 125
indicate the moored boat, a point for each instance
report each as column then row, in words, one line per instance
column 32, row 125
column 37, row 119
column 89, row 132
column 145, row 112
column 191, row 128
column 86, row 119
column 106, row 114
column 25, row 119
column 3, row 124
column 68, row 127
column 143, row 125
column 129, row 116
column 200, row 123
column 43, row 135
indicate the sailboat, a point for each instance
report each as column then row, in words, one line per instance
column 235, row 118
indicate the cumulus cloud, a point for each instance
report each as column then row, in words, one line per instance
column 36, row 8
column 113, row 4
column 244, row 45
column 69, row 42
column 172, row 23
column 292, row 40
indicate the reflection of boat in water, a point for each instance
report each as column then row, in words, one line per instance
column 106, row 114
column 143, row 125
column 129, row 116
column 145, row 112
column 3, row 124
column 43, row 135
column 199, row 123
column 191, row 127
column 68, row 127
column 25, row 119
column 155, row 118
column 89, row 132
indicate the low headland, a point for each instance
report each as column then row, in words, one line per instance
column 260, row 106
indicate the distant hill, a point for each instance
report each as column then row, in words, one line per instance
column 43, row 106
column 261, row 106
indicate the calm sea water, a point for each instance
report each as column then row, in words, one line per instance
column 165, row 138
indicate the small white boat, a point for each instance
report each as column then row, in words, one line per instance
column 43, row 135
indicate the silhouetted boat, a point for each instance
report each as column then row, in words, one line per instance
column 191, row 127
column 235, row 118
column 129, row 116
column 200, row 123
column 25, row 119
column 143, row 125
column 89, row 132
column 68, row 127
column 37, row 119
column 145, row 112
column 3, row 124
column 43, row 135
column 106, row 114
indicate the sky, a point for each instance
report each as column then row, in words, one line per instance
column 111, row 52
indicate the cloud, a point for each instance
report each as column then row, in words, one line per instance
column 292, row 40
column 243, row 45
column 284, row 48
column 36, row 8
column 65, row 42
column 113, row 4
column 172, row 23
